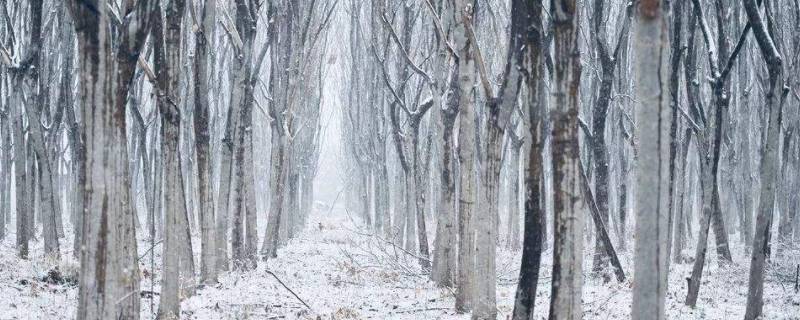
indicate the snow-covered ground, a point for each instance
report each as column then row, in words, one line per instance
column 341, row 271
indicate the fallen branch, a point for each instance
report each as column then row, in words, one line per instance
column 393, row 245
column 290, row 290
column 422, row 310
column 600, row 226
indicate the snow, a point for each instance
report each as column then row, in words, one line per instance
column 342, row 271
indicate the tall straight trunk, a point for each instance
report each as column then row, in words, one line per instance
column 158, row 190
column 747, row 176
column 419, row 196
column 769, row 162
column 399, row 208
column 34, row 194
column 243, row 244
column 166, row 47
column 383, row 197
column 109, row 277
column 679, row 239
column 270, row 247
column 293, row 209
column 461, row 15
column 44, row 183
column 512, row 234
column 24, row 212
column 674, row 100
column 225, row 181
column 652, row 234
column 786, row 222
column 565, row 298
column 534, row 222
column 5, row 168
column 237, row 217
column 44, row 187
column 411, row 210
column 444, row 255
column 202, row 101
column 248, row 178
column 365, row 194
column 281, row 151
column 486, row 222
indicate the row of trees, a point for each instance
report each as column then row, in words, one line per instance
column 584, row 112
column 169, row 111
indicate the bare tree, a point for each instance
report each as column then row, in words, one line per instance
column 769, row 162
column 650, row 264
column 203, row 48
column 109, row 278
column 565, row 299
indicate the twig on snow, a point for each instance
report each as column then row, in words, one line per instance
column 290, row 290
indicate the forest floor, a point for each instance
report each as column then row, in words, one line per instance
column 342, row 271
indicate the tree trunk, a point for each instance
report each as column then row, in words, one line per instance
column 109, row 277
column 461, row 15
column 652, row 234
column 534, row 227
column 512, row 235
column 769, row 162
column 419, row 198
column 202, row 101
column 24, row 212
column 166, row 47
column 565, row 298
column 444, row 255
column 5, row 167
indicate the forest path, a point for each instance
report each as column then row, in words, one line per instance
column 338, row 268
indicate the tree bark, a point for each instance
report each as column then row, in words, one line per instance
column 565, row 298
column 109, row 278
column 202, row 100
column 769, row 162
column 652, row 235
column 461, row 15
column 534, row 227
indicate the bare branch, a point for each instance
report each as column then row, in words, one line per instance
column 487, row 87
column 396, row 39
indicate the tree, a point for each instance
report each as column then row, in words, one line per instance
column 167, row 50
column 565, row 299
column 652, row 234
column 461, row 14
column 769, row 162
column 533, row 235
column 203, row 48
column 109, row 278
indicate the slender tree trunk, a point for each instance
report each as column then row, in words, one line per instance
column 5, row 167
column 512, row 235
column 167, row 50
column 652, row 234
column 270, row 246
column 534, row 227
column 461, row 15
column 225, row 181
column 680, row 219
column 419, row 195
column 208, row 265
column 565, row 298
column 444, row 259
column 24, row 212
column 769, row 162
